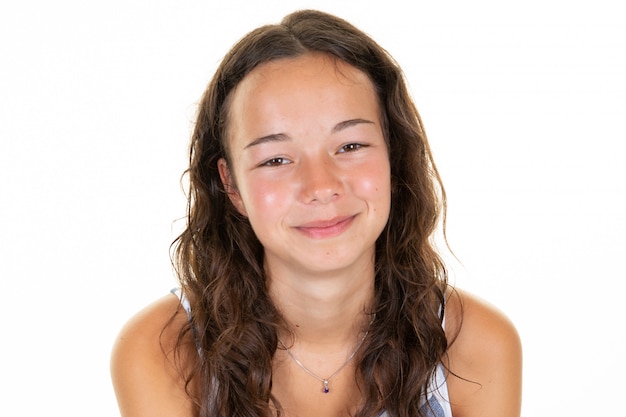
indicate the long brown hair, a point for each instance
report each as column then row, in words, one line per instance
column 220, row 261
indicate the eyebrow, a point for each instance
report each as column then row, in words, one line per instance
column 274, row 137
column 349, row 123
column 277, row 137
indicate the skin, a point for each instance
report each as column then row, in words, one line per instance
column 309, row 167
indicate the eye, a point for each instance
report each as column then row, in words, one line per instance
column 351, row 147
column 275, row 162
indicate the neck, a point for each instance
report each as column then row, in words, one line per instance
column 325, row 312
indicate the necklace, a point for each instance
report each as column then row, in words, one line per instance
column 326, row 381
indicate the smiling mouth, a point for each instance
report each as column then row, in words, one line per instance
column 326, row 228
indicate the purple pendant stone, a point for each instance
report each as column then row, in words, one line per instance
column 326, row 390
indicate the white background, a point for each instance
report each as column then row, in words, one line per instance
column 524, row 103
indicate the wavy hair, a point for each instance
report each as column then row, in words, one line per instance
column 219, row 260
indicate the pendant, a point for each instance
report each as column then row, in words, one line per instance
column 325, row 390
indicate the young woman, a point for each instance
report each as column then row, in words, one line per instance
column 309, row 284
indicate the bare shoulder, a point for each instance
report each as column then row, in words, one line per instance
column 485, row 359
column 144, row 369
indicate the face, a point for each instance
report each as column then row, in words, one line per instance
column 309, row 164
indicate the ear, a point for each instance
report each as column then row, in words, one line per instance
column 229, row 185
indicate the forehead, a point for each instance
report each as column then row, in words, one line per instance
column 314, row 66
column 311, row 86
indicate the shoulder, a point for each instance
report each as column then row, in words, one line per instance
column 484, row 359
column 145, row 370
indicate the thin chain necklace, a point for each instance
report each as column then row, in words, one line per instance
column 326, row 381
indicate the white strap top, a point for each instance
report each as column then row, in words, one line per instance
column 436, row 402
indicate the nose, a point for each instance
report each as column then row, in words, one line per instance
column 320, row 180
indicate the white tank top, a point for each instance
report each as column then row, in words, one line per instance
column 436, row 402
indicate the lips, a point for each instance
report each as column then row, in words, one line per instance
column 321, row 229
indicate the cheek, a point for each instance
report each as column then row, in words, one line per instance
column 265, row 200
column 380, row 190
column 375, row 183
